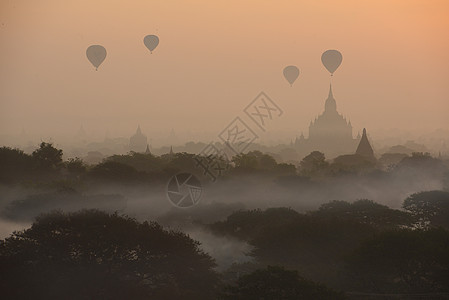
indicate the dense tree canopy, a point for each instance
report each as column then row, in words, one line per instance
column 48, row 156
column 312, row 243
column 94, row 255
column 254, row 160
column 276, row 283
column 15, row 165
column 431, row 208
column 320, row 244
column 366, row 212
column 352, row 163
column 112, row 171
column 401, row 261
column 314, row 164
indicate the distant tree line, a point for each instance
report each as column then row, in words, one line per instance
column 46, row 164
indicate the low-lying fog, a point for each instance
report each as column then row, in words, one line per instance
column 20, row 206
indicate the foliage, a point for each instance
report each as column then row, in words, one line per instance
column 139, row 161
column 314, row 164
column 366, row 212
column 15, row 165
column 94, row 255
column 314, row 246
column 48, row 156
column 430, row 208
column 401, row 261
column 116, row 172
column 248, row 224
column 315, row 243
column 391, row 159
column 254, row 160
column 76, row 166
column 276, row 283
column 352, row 163
column 422, row 162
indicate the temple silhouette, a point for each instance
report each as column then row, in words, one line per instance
column 364, row 148
column 329, row 133
column 138, row 142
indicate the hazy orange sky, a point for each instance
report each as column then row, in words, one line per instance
column 214, row 57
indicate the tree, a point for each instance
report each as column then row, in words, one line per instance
column 94, row 255
column 276, row 283
column 391, row 159
column 249, row 224
column 139, row 161
column 352, row 163
column 76, row 167
column 47, row 156
column 366, row 212
column 116, row 172
column 15, row 165
column 245, row 161
column 186, row 162
column 430, row 208
column 313, row 164
column 422, row 163
column 254, row 160
column 315, row 244
column 408, row 261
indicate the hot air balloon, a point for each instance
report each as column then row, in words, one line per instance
column 151, row 42
column 96, row 55
column 291, row 73
column 331, row 60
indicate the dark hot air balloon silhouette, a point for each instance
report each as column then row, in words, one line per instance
column 151, row 42
column 331, row 60
column 96, row 55
column 291, row 73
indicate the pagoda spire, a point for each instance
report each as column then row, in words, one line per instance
column 331, row 104
column 364, row 149
column 138, row 131
column 331, row 95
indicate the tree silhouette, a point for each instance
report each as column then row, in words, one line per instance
column 113, row 171
column 401, row 261
column 276, row 283
column 313, row 243
column 15, row 165
column 139, row 161
column 352, row 163
column 254, row 160
column 431, row 208
column 366, row 211
column 313, row 164
column 48, row 156
column 94, row 255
